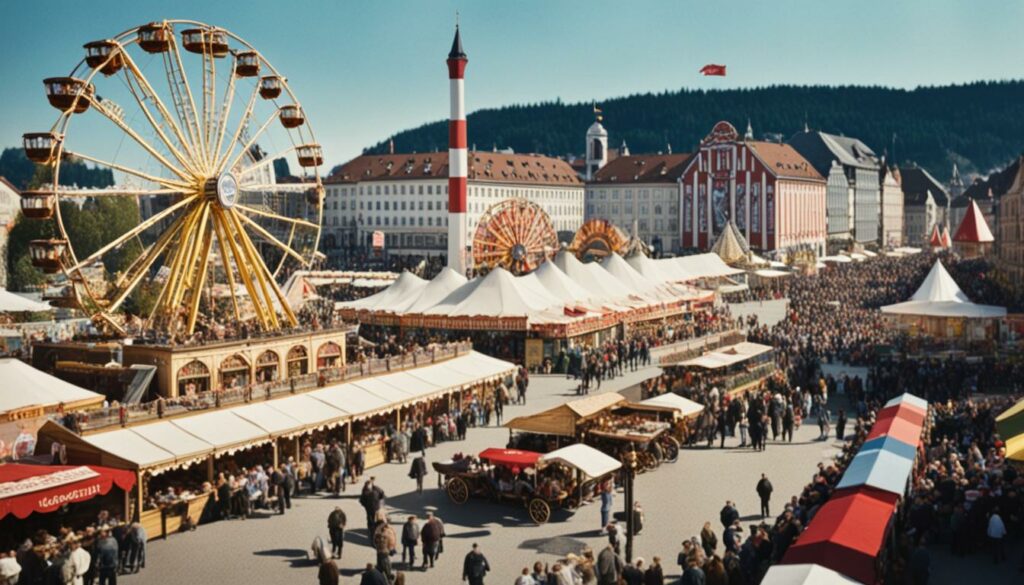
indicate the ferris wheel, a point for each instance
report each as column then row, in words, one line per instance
column 515, row 234
column 213, row 153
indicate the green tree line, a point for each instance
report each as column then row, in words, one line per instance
column 976, row 125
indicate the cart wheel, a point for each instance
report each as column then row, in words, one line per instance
column 657, row 452
column 671, row 448
column 458, row 491
column 540, row 511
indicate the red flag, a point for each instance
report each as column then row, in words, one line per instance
column 713, row 70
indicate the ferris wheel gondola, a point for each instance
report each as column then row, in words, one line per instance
column 217, row 211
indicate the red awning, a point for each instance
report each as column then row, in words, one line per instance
column 905, row 412
column 25, row 489
column 847, row 534
column 510, row 457
column 898, row 428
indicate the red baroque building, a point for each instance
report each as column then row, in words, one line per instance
column 773, row 195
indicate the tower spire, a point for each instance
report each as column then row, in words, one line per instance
column 749, row 135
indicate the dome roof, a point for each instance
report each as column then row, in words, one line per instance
column 596, row 129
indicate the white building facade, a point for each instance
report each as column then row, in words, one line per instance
column 405, row 196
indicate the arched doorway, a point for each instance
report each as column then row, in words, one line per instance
column 234, row 372
column 267, row 366
column 328, row 356
column 193, row 377
column 298, row 361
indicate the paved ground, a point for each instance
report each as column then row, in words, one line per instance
column 677, row 498
column 768, row 312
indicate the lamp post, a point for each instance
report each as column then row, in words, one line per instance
column 630, row 474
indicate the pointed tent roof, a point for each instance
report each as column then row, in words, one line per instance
column 935, row 240
column 499, row 294
column 560, row 285
column 731, row 246
column 940, row 296
column 591, row 277
column 618, row 267
column 973, row 228
column 650, row 269
column 946, row 241
column 407, row 286
column 434, row 292
column 26, row 386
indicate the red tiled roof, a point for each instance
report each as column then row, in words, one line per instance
column 973, row 228
column 483, row 166
column 784, row 161
column 644, row 168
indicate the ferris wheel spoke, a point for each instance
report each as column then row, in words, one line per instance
column 138, row 269
column 224, row 114
column 119, row 122
column 221, row 157
column 169, row 183
column 197, row 243
column 252, row 256
column 270, row 237
column 225, row 262
column 197, row 290
column 245, row 148
column 267, row 214
column 209, row 98
column 185, row 104
column 188, row 158
column 131, row 234
column 174, row 266
column 241, row 262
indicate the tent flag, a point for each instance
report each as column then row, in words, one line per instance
column 25, row 489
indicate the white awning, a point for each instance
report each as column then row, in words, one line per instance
column 308, row 411
column 224, row 430
column 591, row 462
column 272, row 420
column 379, row 387
column 356, row 401
column 771, row 273
column 130, row 446
column 184, row 446
column 412, row 385
column 14, row 303
column 685, row 406
column 839, row 259
column 727, row 356
column 23, row 386
column 805, row 575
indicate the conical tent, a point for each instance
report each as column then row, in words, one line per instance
column 649, row 269
column 939, row 286
column 407, row 286
column 561, row 286
column 939, row 296
column 616, row 266
column 935, row 240
column 946, row 240
column 433, row 293
column 499, row 294
column 973, row 227
column 591, row 277
column 731, row 246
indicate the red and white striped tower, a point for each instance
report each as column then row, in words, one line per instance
column 458, row 159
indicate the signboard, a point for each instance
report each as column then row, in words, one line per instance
column 378, row 239
column 534, row 353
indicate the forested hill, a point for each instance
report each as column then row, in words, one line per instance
column 980, row 126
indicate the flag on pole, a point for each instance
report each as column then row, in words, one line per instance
column 712, row 69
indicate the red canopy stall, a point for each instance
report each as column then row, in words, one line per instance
column 510, row 457
column 898, row 428
column 27, row 489
column 905, row 412
column 847, row 534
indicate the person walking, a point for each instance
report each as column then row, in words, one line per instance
column 788, row 421
column 107, row 557
column 609, row 566
column 729, row 514
column 277, row 481
column 607, row 502
column 475, row 566
column 996, row 533
column 410, row 538
column 336, row 521
column 764, row 491
column 385, row 542
column 824, row 418
column 371, row 500
column 841, row 424
column 418, row 471
column 431, row 535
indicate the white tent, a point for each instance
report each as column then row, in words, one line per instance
column 407, row 286
column 772, row 273
column 591, row 277
column 273, row 420
column 939, row 296
column 838, row 259
column 727, row 356
column 708, row 265
column 13, row 303
column 223, row 429
column 616, row 266
column 651, row 269
column 805, row 575
column 499, row 294
column 22, row 386
column 591, row 462
column 433, row 293
column 561, row 286
column 685, row 406
column 184, row 446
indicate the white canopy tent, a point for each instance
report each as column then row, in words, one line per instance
column 727, row 356
column 708, row 265
column 13, row 303
column 407, row 286
column 940, row 296
column 433, row 293
column 185, row 447
column 499, row 294
column 560, row 285
column 273, row 420
column 591, row 462
column 223, row 429
column 24, row 386
column 591, row 277
column 685, row 406
column 805, row 575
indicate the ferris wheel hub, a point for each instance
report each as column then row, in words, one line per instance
column 224, row 189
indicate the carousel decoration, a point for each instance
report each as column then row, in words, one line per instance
column 186, row 143
column 515, row 234
column 598, row 238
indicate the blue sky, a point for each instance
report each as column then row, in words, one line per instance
column 364, row 70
